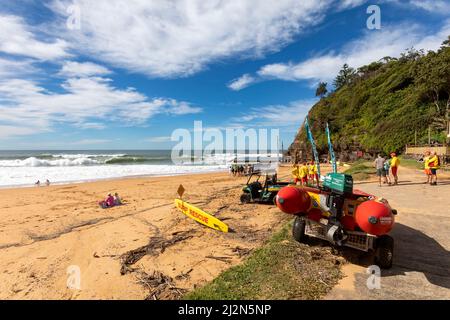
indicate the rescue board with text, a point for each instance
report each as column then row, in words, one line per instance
column 200, row 216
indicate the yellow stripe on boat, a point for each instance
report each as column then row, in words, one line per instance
column 200, row 216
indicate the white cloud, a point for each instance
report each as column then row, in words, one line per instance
column 179, row 38
column 17, row 39
column 13, row 68
column 85, row 103
column 7, row 131
column 241, row 82
column 159, row 139
column 436, row 6
column 292, row 114
column 89, row 142
column 91, row 125
column 345, row 4
column 372, row 46
column 82, row 69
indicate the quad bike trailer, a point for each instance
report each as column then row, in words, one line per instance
column 381, row 247
column 342, row 216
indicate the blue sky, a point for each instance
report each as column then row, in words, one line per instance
column 123, row 75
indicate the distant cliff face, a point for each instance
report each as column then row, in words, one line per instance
column 385, row 106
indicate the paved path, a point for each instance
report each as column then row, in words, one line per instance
column 421, row 267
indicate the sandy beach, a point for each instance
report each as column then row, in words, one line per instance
column 45, row 231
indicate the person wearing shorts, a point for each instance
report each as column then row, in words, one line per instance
column 395, row 162
column 387, row 168
column 303, row 173
column 379, row 165
column 434, row 165
column 426, row 164
column 295, row 173
column 313, row 173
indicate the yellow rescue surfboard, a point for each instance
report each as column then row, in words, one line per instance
column 200, row 216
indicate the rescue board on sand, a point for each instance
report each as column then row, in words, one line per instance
column 200, row 216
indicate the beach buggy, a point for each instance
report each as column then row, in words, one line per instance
column 261, row 188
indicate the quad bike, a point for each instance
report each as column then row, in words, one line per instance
column 256, row 191
column 342, row 216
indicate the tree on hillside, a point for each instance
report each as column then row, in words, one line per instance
column 387, row 59
column 446, row 43
column 432, row 76
column 368, row 70
column 411, row 54
column 321, row 90
column 344, row 77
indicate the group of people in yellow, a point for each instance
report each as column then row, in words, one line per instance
column 432, row 164
column 305, row 173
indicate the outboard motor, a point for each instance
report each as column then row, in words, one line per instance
column 339, row 185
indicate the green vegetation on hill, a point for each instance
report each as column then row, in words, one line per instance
column 382, row 106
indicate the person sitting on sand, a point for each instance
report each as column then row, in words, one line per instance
column 108, row 202
column 117, row 200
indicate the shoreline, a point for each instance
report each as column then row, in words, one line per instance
column 79, row 182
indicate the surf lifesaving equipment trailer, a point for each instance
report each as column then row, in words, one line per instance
column 342, row 216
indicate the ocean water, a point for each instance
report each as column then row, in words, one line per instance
column 24, row 168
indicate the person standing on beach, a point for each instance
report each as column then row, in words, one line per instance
column 434, row 164
column 313, row 173
column 387, row 168
column 426, row 164
column 295, row 173
column 303, row 173
column 395, row 163
column 379, row 165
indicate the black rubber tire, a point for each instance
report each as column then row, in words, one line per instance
column 298, row 230
column 384, row 253
column 274, row 200
column 246, row 198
